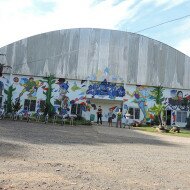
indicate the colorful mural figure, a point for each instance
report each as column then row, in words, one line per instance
column 178, row 101
column 140, row 95
column 31, row 86
column 63, row 100
column 105, row 88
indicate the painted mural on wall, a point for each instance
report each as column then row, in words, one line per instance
column 66, row 93
column 4, row 84
column 29, row 86
column 78, row 95
column 62, row 102
column 140, row 96
column 178, row 100
column 105, row 88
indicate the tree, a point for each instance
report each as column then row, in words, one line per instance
column 158, row 110
column 157, row 94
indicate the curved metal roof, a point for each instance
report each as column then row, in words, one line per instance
column 95, row 54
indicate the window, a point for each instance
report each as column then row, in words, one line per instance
column 42, row 105
column 135, row 113
column 76, row 109
column 181, row 116
column 30, row 104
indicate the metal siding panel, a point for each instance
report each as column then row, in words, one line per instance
column 170, row 67
column 123, row 55
column 83, row 54
column 79, row 53
column 161, row 63
column 151, row 66
column 113, row 60
column 180, row 68
column 104, row 49
column 74, row 49
column 133, row 52
column 93, row 51
column 142, row 60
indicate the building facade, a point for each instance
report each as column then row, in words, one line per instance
column 85, row 68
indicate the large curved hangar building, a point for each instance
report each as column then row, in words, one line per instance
column 95, row 67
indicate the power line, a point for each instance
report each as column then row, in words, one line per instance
column 163, row 23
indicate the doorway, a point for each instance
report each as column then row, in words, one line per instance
column 168, row 117
column 105, row 105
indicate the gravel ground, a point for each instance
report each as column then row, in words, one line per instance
column 45, row 157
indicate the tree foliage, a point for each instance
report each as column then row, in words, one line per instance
column 158, row 108
column 157, row 94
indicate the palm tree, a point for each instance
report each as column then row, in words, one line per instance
column 158, row 110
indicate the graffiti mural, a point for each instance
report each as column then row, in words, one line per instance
column 105, row 88
column 78, row 95
column 62, row 103
column 178, row 100
column 140, row 96
column 30, row 86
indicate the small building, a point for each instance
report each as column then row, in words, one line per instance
column 85, row 67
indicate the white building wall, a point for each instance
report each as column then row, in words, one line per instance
column 90, row 94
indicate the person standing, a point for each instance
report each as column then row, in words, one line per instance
column 127, row 117
column 119, row 118
column 110, row 116
column 99, row 115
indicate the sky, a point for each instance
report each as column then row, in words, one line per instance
column 23, row 18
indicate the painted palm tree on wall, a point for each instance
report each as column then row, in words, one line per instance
column 9, row 93
column 50, row 80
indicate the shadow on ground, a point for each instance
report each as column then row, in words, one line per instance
column 39, row 133
column 11, row 150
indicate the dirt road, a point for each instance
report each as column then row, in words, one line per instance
column 47, row 157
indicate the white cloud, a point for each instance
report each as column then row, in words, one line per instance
column 183, row 27
column 184, row 46
column 17, row 22
column 167, row 4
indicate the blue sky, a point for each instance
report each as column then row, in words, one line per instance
column 23, row 18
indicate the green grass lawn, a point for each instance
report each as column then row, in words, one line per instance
column 183, row 132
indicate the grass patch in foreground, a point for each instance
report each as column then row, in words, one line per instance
column 183, row 132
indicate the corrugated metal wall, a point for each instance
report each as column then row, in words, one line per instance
column 79, row 53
